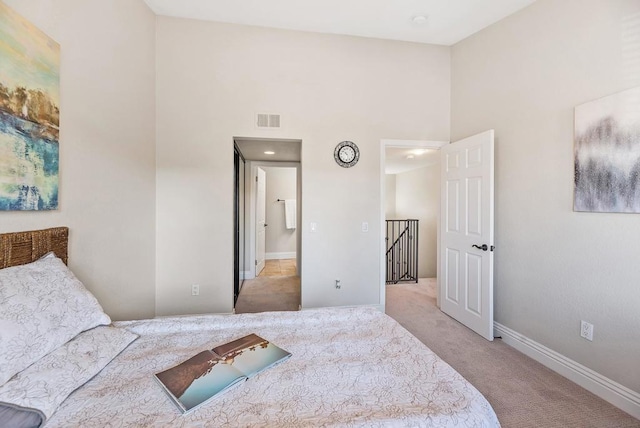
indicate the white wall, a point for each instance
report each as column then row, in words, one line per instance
column 212, row 78
column 554, row 267
column 281, row 184
column 418, row 197
column 390, row 196
column 107, row 147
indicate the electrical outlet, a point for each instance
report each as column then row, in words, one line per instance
column 586, row 330
column 338, row 284
column 195, row 290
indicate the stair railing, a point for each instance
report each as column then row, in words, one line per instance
column 402, row 251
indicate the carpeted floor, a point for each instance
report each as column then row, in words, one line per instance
column 269, row 293
column 522, row 391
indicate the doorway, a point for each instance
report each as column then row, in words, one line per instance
column 276, row 240
column 410, row 172
column 465, row 232
column 272, row 244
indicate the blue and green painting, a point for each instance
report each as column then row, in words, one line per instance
column 29, row 115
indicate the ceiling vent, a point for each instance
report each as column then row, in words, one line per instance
column 265, row 120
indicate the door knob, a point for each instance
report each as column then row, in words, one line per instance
column 483, row 248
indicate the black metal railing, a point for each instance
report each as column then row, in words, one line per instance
column 402, row 251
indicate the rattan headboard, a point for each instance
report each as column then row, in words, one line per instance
column 25, row 247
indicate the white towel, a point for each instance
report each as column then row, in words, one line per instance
column 290, row 213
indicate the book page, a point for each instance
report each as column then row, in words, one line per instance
column 199, row 378
column 251, row 354
column 211, row 372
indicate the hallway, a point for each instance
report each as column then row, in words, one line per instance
column 283, row 267
column 277, row 288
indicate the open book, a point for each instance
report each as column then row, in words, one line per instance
column 211, row 372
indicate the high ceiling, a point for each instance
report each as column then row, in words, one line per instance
column 447, row 21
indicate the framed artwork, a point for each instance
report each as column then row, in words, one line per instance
column 607, row 154
column 29, row 115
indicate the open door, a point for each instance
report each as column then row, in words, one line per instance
column 261, row 202
column 466, row 232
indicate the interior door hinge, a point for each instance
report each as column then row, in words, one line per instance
column 256, row 263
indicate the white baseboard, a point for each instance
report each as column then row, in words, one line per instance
column 605, row 388
column 248, row 274
column 279, row 256
column 378, row 307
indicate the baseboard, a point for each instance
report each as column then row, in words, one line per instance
column 605, row 388
column 247, row 274
column 279, row 256
column 378, row 307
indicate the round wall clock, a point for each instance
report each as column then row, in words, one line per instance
column 346, row 154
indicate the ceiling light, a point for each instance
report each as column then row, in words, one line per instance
column 418, row 152
column 269, row 153
column 419, row 19
column 410, row 156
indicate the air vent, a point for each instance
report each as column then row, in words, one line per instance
column 265, row 120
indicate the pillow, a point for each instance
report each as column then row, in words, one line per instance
column 34, row 394
column 42, row 306
column 49, row 255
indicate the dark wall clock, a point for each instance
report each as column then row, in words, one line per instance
column 346, row 154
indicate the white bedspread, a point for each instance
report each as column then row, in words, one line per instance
column 350, row 367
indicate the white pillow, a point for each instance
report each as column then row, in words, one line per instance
column 42, row 306
column 49, row 255
column 35, row 393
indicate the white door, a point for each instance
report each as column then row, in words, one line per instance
column 466, row 232
column 261, row 192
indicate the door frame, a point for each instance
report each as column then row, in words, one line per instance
column 251, row 172
column 238, row 227
column 409, row 144
column 258, row 208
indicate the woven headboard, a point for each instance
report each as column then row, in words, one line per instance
column 19, row 248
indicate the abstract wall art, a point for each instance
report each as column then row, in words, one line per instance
column 607, row 154
column 29, row 115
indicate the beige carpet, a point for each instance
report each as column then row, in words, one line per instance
column 522, row 391
column 269, row 293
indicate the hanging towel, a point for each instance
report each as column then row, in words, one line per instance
column 290, row 213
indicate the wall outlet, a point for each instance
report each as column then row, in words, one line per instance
column 338, row 284
column 586, row 330
column 195, row 290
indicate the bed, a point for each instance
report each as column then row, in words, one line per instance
column 349, row 366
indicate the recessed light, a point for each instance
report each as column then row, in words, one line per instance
column 269, row 153
column 419, row 19
column 410, row 156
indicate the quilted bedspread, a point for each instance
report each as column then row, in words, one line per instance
column 350, row 367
